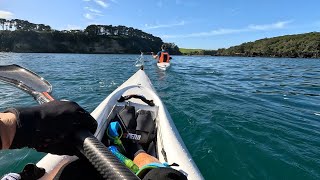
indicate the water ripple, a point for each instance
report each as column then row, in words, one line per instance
column 241, row 118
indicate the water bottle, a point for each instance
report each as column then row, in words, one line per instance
column 128, row 162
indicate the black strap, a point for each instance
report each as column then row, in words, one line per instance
column 142, row 98
column 164, row 155
column 173, row 164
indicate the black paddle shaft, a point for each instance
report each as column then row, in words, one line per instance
column 102, row 158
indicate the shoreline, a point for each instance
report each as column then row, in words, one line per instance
column 275, row 57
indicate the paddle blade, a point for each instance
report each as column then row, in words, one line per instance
column 24, row 79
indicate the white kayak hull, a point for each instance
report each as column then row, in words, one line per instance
column 163, row 66
column 168, row 138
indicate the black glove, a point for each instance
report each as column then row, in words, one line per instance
column 50, row 127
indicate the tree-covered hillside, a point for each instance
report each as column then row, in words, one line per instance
column 300, row 45
column 201, row 52
column 22, row 36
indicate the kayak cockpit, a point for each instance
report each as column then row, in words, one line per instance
column 136, row 124
column 168, row 145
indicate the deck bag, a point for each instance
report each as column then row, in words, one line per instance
column 145, row 126
column 138, row 127
column 144, row 132
column 142, row 138
column 127, row 117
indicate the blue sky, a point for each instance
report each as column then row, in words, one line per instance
column 207, row 24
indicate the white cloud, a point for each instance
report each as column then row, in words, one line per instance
column 205, row 34
column 91, row 15
column 88, row 16
column 93, row 10
column 6, row 14
column 148, row 26
column 102, row 3
column 97, row 14
column 277, row 25
column 250, row 28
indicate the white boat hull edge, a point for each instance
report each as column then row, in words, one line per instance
column 163, row 66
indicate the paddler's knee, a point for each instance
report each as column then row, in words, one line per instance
column 142, row 158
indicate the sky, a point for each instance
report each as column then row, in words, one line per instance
column 205, row 24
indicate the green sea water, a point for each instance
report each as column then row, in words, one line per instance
column 241, row 118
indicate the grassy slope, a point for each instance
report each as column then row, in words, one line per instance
column 185, row 50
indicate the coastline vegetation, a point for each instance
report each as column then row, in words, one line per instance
column 290, row 46
column 22, row 36
column 192, row 52
column 293, row 46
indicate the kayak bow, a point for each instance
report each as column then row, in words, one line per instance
column 170, row 147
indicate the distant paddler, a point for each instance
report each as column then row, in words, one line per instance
column 162, row 56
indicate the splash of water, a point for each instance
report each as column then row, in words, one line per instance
column 140, row 61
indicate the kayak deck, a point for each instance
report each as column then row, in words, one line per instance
column 169, row 145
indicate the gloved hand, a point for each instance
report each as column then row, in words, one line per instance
column 50, row 127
